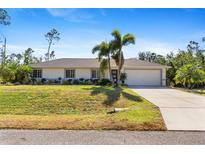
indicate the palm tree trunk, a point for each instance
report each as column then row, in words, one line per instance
column 119, row 66
column 109, row 67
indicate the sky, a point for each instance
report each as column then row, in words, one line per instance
column 156, row 30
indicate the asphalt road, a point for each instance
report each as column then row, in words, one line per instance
column 45, row 137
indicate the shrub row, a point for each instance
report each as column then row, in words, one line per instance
column 80, row 81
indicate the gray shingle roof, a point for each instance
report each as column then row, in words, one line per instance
column 91, row 63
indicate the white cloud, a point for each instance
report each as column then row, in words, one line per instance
column 60, row 12
column 73, row 15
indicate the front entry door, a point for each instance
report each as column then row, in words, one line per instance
column 114, row 76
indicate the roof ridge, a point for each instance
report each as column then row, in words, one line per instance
column 92, row 62
column 90, row 59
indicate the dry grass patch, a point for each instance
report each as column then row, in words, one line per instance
column 83, row 122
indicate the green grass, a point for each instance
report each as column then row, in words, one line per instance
column 76, row 107
column 194, row 91
column 198, row 91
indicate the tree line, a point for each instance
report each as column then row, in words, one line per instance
column 187, row 66
column 15, row 67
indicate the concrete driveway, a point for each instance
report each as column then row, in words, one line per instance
column 180, row 110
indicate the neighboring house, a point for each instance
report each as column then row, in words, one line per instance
column 138, row 72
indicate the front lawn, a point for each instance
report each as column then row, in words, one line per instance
column 76, row 107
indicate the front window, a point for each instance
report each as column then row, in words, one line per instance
column 95, row 74
column 70, row 73
column 37, row 73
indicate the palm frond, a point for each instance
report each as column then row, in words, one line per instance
column 128, row 39
column 117, row 36
column 114, row 45
column 100, row 56
column 105, row 48
column 95, row 49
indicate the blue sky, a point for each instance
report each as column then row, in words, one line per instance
column 158, row 30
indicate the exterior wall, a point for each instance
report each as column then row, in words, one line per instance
column 83, row 73
column 106, row 74
column 86, row 73
column 52, row 73
column 164, row 77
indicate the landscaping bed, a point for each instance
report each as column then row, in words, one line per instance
column 76, row 107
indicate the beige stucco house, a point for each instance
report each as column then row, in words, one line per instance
column 138, row 72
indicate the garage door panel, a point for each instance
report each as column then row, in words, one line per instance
column 143, row 77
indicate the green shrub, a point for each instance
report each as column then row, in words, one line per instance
column 94, row 81
column 8, row 74
column 50, row 81
column 104, row 82
column 123, row 77
column 38, row 82
column 57, row 81
column 1, row 81
column 33, row 80
column 43, row 80
column 17, row 83
column 88, row 82
column 23, row 74
column 172, row 84
column 190, row 75
column 82, row 81
column 9, row 84
column 76, row 81
column 66, row 82
column 70, row 81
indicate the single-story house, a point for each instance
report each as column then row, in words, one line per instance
column 138, row 72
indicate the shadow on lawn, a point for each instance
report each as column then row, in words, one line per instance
column 113, row 94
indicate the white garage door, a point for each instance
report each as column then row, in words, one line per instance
column 143, row 77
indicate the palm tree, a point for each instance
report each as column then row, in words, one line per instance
column 117, row 44
column 104, row 54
